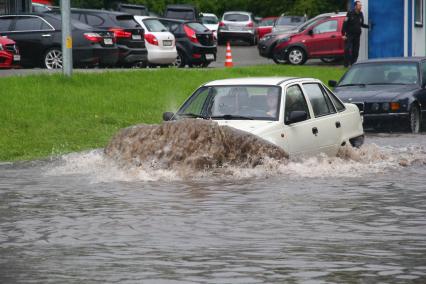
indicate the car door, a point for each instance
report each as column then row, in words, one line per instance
column 327, row 127
column 324, row 38
column 299, row 136
column 33, row 35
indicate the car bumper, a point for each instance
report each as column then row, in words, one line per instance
column 132, row 55
column 244, row 35
column 202, row 54
column 95, row 55
column 158, row 56
column 264, row 50
column 6, row 60
column 393, row 119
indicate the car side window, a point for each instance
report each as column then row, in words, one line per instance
column 424, row 72
column 326, row 27
column 321, row 103
column 295, row 101
column 28, row 24
column 93, row 20
column 337, row 103
column 5, row 24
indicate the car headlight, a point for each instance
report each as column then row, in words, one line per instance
column 268, row 37
column 284, row 39
column 375, row 107
column 385, row 106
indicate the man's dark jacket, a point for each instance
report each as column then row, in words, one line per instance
column 353, row 23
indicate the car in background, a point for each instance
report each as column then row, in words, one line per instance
column 39, row 38
column 160, row 43
column 323, row 39
column 181, row 11
column 39, row 8
column 237, row 26
column 9, row 53
column 129, row 35
column 211, row 21
column 285, row 23
column 300, row 115
column 265, row 26
column 267, row 44
column 133, row 9
column 390, row 92
column 195, row 43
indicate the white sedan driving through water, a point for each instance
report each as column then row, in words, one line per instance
column 300, row 115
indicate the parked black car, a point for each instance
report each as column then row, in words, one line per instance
column 195, row 43
column 181, row 11
column 128, row 33
column 390, row 92
column 39, row 39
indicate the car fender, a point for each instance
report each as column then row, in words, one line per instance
column 351, row 123
column 300, row 45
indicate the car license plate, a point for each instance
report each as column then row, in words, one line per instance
column 167, row 42
column 234, row 28
column 16, row 57
column 209, row 56
column 138, row 37
column 108, row 41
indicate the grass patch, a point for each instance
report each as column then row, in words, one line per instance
column 49, row 114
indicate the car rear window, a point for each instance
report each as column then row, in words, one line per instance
column 127, row 21
column 209, row 20
column 197, row 27
column 180, row 14
column 288, row 20
column 267, row 22
column 154, row 25
column 236, row 17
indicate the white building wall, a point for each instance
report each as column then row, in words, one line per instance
column 419, row 35
column 363, row 47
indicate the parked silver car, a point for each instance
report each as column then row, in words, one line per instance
column 237, row 26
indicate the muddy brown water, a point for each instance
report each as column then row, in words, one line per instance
column 82, row 218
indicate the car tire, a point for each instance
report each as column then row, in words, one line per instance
column 415, row 119
column 328, row 59
column 253, row 41
column 180, row 61
column 52, row 58
column 296, row 56
column 278, row 56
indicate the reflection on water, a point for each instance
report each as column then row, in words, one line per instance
column 359, row 217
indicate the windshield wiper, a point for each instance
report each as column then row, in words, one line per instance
column 347, row 85
column 387, row 84
column 231, row 116
column 190, row 114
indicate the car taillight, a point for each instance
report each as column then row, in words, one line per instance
column 151, row 39
column 121, row 33
column 221, row 24
column 93, row 37
column 250, row 25
column 190, row 33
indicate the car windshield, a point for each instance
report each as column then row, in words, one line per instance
column 309, row 23
column 154, row 25
column 386, row 73
column 267, row 22
column 234, row 102
column 209, row 20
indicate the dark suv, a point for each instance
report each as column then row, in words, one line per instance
column 39, row 38
column 195, row 43
column 181, row 11
column 128, row 33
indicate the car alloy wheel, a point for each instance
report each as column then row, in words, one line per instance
column 415, row 119
column 180, row 60
column 53, row 59
column 296, row 56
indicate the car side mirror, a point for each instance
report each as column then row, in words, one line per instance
column 296, row 116
column 332, row 83
column 167, row 116
column 311, row 32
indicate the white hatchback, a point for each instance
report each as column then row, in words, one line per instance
column 300, row 115
column 159, row 42
column 211, row 22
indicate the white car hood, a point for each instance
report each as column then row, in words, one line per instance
column 256, row 127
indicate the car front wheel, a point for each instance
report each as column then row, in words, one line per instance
column 415, row 119
column 296, row 56
column 279, row 57
column 53, row 59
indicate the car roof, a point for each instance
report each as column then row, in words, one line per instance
column 208, row 14
column 254, row 81
column 237, row 12
column 394, row 59
column 101, row 11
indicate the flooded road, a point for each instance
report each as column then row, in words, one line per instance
column 357, row 218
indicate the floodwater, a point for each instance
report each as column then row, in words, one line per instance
column 80, row 218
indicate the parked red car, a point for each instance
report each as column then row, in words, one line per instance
column 265, row 26
column 321, row 40
column 9, row 53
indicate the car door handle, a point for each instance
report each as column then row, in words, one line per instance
column 46, row 35
column 338, row 124
column 315, row 131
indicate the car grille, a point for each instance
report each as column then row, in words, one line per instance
column 12, row 48
column 206, row 39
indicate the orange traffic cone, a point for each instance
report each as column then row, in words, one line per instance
column 228, row 58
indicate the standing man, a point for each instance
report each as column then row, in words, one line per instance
column 351, row 33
